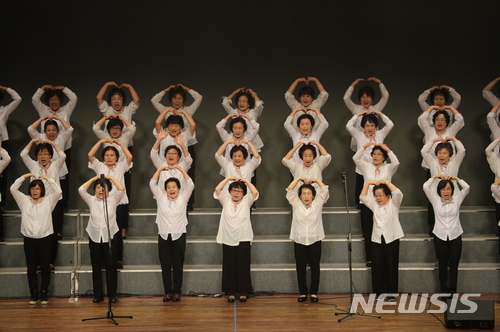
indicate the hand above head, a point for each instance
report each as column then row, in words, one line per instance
column 376, row 80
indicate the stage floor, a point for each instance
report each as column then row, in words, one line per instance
column 279, row 312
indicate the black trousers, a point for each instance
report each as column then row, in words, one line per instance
column 311, row 255
column 99, row 253
column 431, row 219
column 448, row 254
column 37, row 252
column 65, row 182
column 122, row 220
column 385, row 266
column 57, row 225
column 236, row 268
column 172, row 258
column 366, row 216
column 191, row 172
column 360, row 181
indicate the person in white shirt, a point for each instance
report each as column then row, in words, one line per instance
column 238, row 130
column 365, row 132
column 5, row 112
column 489, row 95
column 117, row 127
column 102, row 208
column 235, row 234
column 439, row 96
column 495, row 190
column 366, row 97
column 112, row 165
column 177, row 154
column 307, row 99
column 4, row 161
column 172, row 221
column 376, row 170
column 447, row 231
column 307, row 231
column 174, row 124
column 238, row 166
column 36, row 227
column 44, row 165
column 51, row 131
column 493, row 158
column 387, row 231
column 177, row 97
column 306, row 123
column 307, row 168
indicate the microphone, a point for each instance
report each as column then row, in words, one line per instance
column 343, row 173
column 102, row 180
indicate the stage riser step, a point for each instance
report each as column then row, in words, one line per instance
column 12, row 226
column 13, row 255
column 284, row 281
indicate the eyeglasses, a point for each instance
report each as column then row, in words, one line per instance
column 236, row 191
column 172, row 153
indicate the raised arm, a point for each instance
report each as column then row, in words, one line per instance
column 128, row 155
column 133, row 93
column 321, row 149
column 490, row 85
column 94, row 149
column 30, row 144
column 102, row 91
column 159, row 119
column 118, row 184
column 489, row 149
column 90, row 181
column 253, row 190
column 318, row 83
column 293, row 86
column 293, row 184
column 35, row 124
column 189, row 118
column 290, row 153
column 220, row 186
column 65, row 124
column 252, row 147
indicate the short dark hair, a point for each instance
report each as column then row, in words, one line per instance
column 50, row 123
column 251, row 99
column 305, row 147
column 44, row 146
column 114, row 122
column 112, row 148
column 446, row 146
column 307, row 90
column 439, row 92
column 172, row 179
column 238, row 120
column 369, row 118
column 49, row 93
column 237, row 148
column 378, row 147
column 384, row 188
column 446, row 117
column 34, row 183
column 305, row 116
column 443, row 184
column 238, row 184
column 368, row 90
column 117, row 91
column 174, row 119
column 307, row 186
column 106, row 181
column 177, row 90
column 176, row 148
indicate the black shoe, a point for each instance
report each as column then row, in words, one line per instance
column 302, row 298
column 167, row 297
column 34, row 296
column 230, row 298
column 314, row 298
column 243, row 298
column 44, row 297
column 176, row 297
column 391, row 299
column 114, row 299
column 119, row 265
column 97, row 300
column 368, row 264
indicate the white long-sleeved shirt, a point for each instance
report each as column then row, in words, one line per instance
column 253, row 113
column 422, row 101
column 6, row 110
column 307, row 222
column 97, row 228
column 447, row 216
column 316, row 103
column 36, row 217
column 385, row 218
column 297, row 136
column 117, row 171
column 190, row 109
column 171, row 216
column 52, row 170
column 126, row 137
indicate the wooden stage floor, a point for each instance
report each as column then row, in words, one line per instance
column 279, row 312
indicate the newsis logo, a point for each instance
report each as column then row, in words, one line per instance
column 414, row 303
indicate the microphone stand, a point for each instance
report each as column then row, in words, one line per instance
column 109, row 314
column 350, row 311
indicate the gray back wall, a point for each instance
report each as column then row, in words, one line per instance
column 216, row 47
